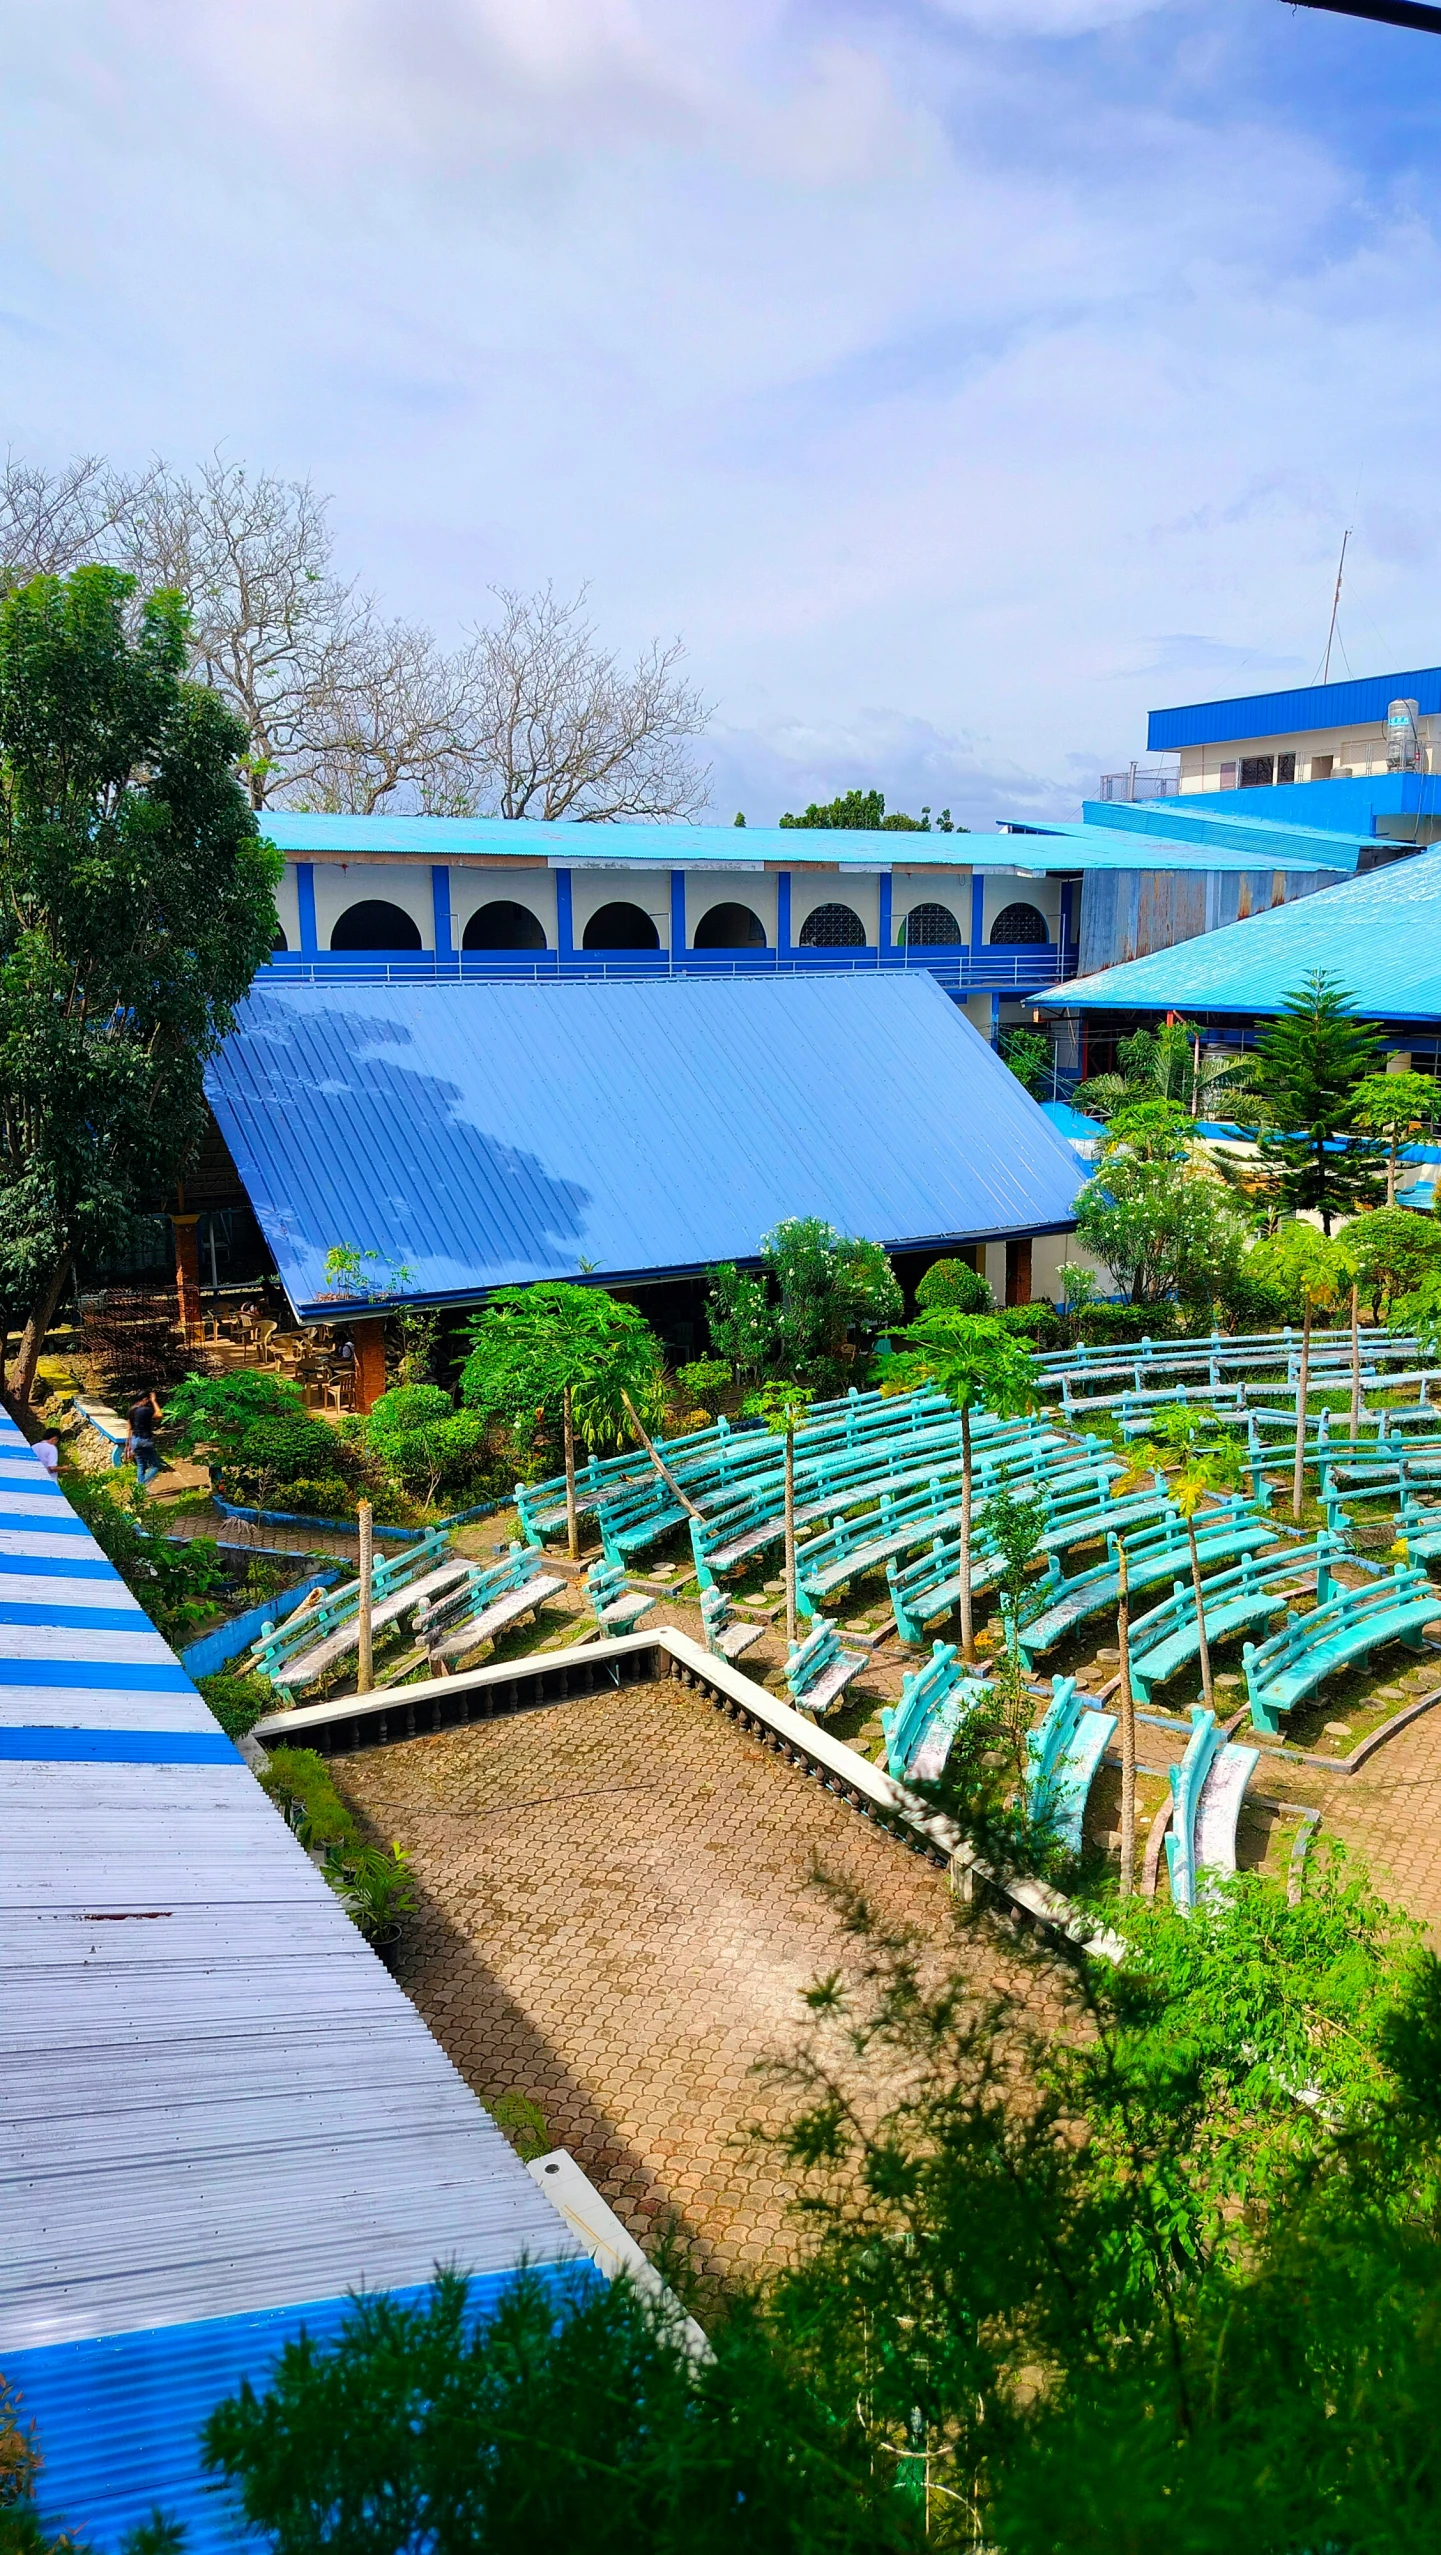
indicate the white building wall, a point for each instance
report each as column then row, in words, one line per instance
column 705, row 888
column 861, row 890
column 648, row 888
column 532, row 888
column 287, row 906
column 1004, row 888
column 1354, row 752
column 340, row 884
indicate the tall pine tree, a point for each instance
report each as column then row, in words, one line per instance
column 1309, row 1066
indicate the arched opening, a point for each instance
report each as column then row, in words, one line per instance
column 375, row 925
column 730, row 927
column 833, row 927
column 280, row 941
column 928, row 927
column 503, row 925
column 1018, row 924
column 620, row 927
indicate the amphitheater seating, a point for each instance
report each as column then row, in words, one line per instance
column 723, row 1638
column 308, row 1643
column 934, row 1699
column 616, row 1606
column 818, row 1670
column 1063, row 1753
column 1281, row 1672
column 1167, row 1639
column 931, row 1586
column 456, row 1622
column 1207, row 1789
column 1222, row 1534
column 867, row 1540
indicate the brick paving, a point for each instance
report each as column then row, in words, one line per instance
column 618, row 1919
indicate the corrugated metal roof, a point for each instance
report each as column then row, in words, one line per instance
column 485, row 1135
column 1357, row 703
column 220, row 2113
column 1381, row 935
column 1259, row 836
column 1046, row 847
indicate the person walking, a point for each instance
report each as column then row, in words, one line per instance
column 145, row 1417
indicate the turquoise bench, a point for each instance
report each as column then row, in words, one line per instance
column 457, row 1621
column 723, row 1638
column 1222, row 1535
column 616, row 1606
column 731, row 1532
column 1281, row 1672
column 870, row 1538
column 1167, row 1638
column 1062, row 1755
column 931, row 1586
column 1419, row 1529
column 1207, row 1789
column 934, row 1700
column 312, row 1640
column 818, row 1669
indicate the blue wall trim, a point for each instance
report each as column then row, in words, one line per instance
column 677, row 911
column 440, row 907
column 305, row 891
column 564, row 915
column 978, row 914
column 119, row 1747
column 783, row 914
column 883, row 932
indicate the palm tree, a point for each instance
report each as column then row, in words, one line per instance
column 1209, row 1461
column 977, row 1363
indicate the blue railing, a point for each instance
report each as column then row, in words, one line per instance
column 1029, row 969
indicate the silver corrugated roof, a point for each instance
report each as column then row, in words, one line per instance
column 220, row 2112
column 484, row 1135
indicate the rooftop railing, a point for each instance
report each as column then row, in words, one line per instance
column 1025, row 970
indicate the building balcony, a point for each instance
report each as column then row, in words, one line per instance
column 1008, row 972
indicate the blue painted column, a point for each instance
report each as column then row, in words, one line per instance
column 677, row 916
column 1068, row 916
column 305, row 890
column 978, row 912
column 440, row 907
column 564, row 931
column 783, row 914
column 995, row 1020
column 883, row 934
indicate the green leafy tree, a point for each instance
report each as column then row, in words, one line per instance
column 864, row 812
column 977, row 1364
column 424, row 1442
column 953, row 1286
column 1397, row 1107
column 573, row 1353
column 1031, row 1059
column 1158, row 1219
column 1394, row 1251
column 209, row 1414
column 1318, row 1275
column 136, row 903
column 1308, row 1071
column 832, row 1292
column 1166, row 1064
column 783, row 1407
column 741, row 1320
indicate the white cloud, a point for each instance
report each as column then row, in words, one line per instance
column 920, row 378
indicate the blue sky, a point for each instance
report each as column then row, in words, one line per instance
column 959, row 378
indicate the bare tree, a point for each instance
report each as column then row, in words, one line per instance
column 346, row 711
column 53, row 520
column 558, row 729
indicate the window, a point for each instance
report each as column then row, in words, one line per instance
column 928, row 927
column 729, row 927
column 1322, row 766
column 1228, row 776
column 833, row 927
column 1285, row 768
column 1258, row 771
column 621, row 927
column 1018, row 924
column 280, row 941
column 375, row 925
column 503, row 926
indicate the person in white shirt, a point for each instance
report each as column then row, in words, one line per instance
column 47, row 1453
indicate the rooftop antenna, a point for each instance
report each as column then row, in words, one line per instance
column 1335, row 604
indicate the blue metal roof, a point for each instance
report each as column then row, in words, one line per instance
column 1359, row 703
column 521, row 841
column 1381, row 935
column 486, row 1135
column 1165, row 834
column 220, row 2113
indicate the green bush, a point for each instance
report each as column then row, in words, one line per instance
column 705, row 1379
column 521, row 2121
column 407, row 1406
column 1038, row 1323
column 280, row 1453
column 217, row 1410
column 298, row 1781
column 425, row 1444
column 375, row 1888
column 953, row 1286
column 179, row 1585
column 1101, row 1325
column 237, row 1701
